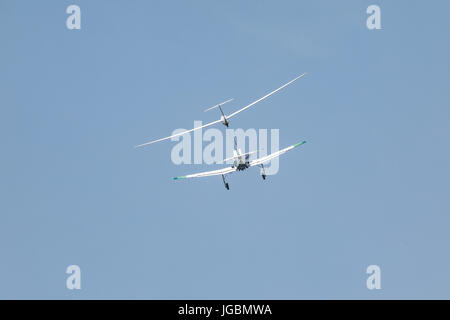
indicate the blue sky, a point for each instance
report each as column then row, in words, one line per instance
column 371, row 185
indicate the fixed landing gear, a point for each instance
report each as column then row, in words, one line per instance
column 263, row 172
column 227, row 186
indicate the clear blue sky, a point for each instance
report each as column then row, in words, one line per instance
column 371, row 186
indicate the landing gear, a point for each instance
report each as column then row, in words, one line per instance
column 227, row 186
column 263, row 172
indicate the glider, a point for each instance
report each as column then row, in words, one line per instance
column 224, row 119
column 241, row 162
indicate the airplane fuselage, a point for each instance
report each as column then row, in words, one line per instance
column 240, row 160
column 224, row 120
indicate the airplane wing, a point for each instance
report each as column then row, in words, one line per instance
column 179, row 134
column 208, row 173
column 274, row 155
column 266, row 96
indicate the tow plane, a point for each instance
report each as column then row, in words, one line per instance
column 241, row 162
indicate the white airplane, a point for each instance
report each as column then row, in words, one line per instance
column 241, row 162
column 224, row 119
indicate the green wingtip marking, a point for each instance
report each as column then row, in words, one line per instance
column 182, row 177
column 299, row 144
